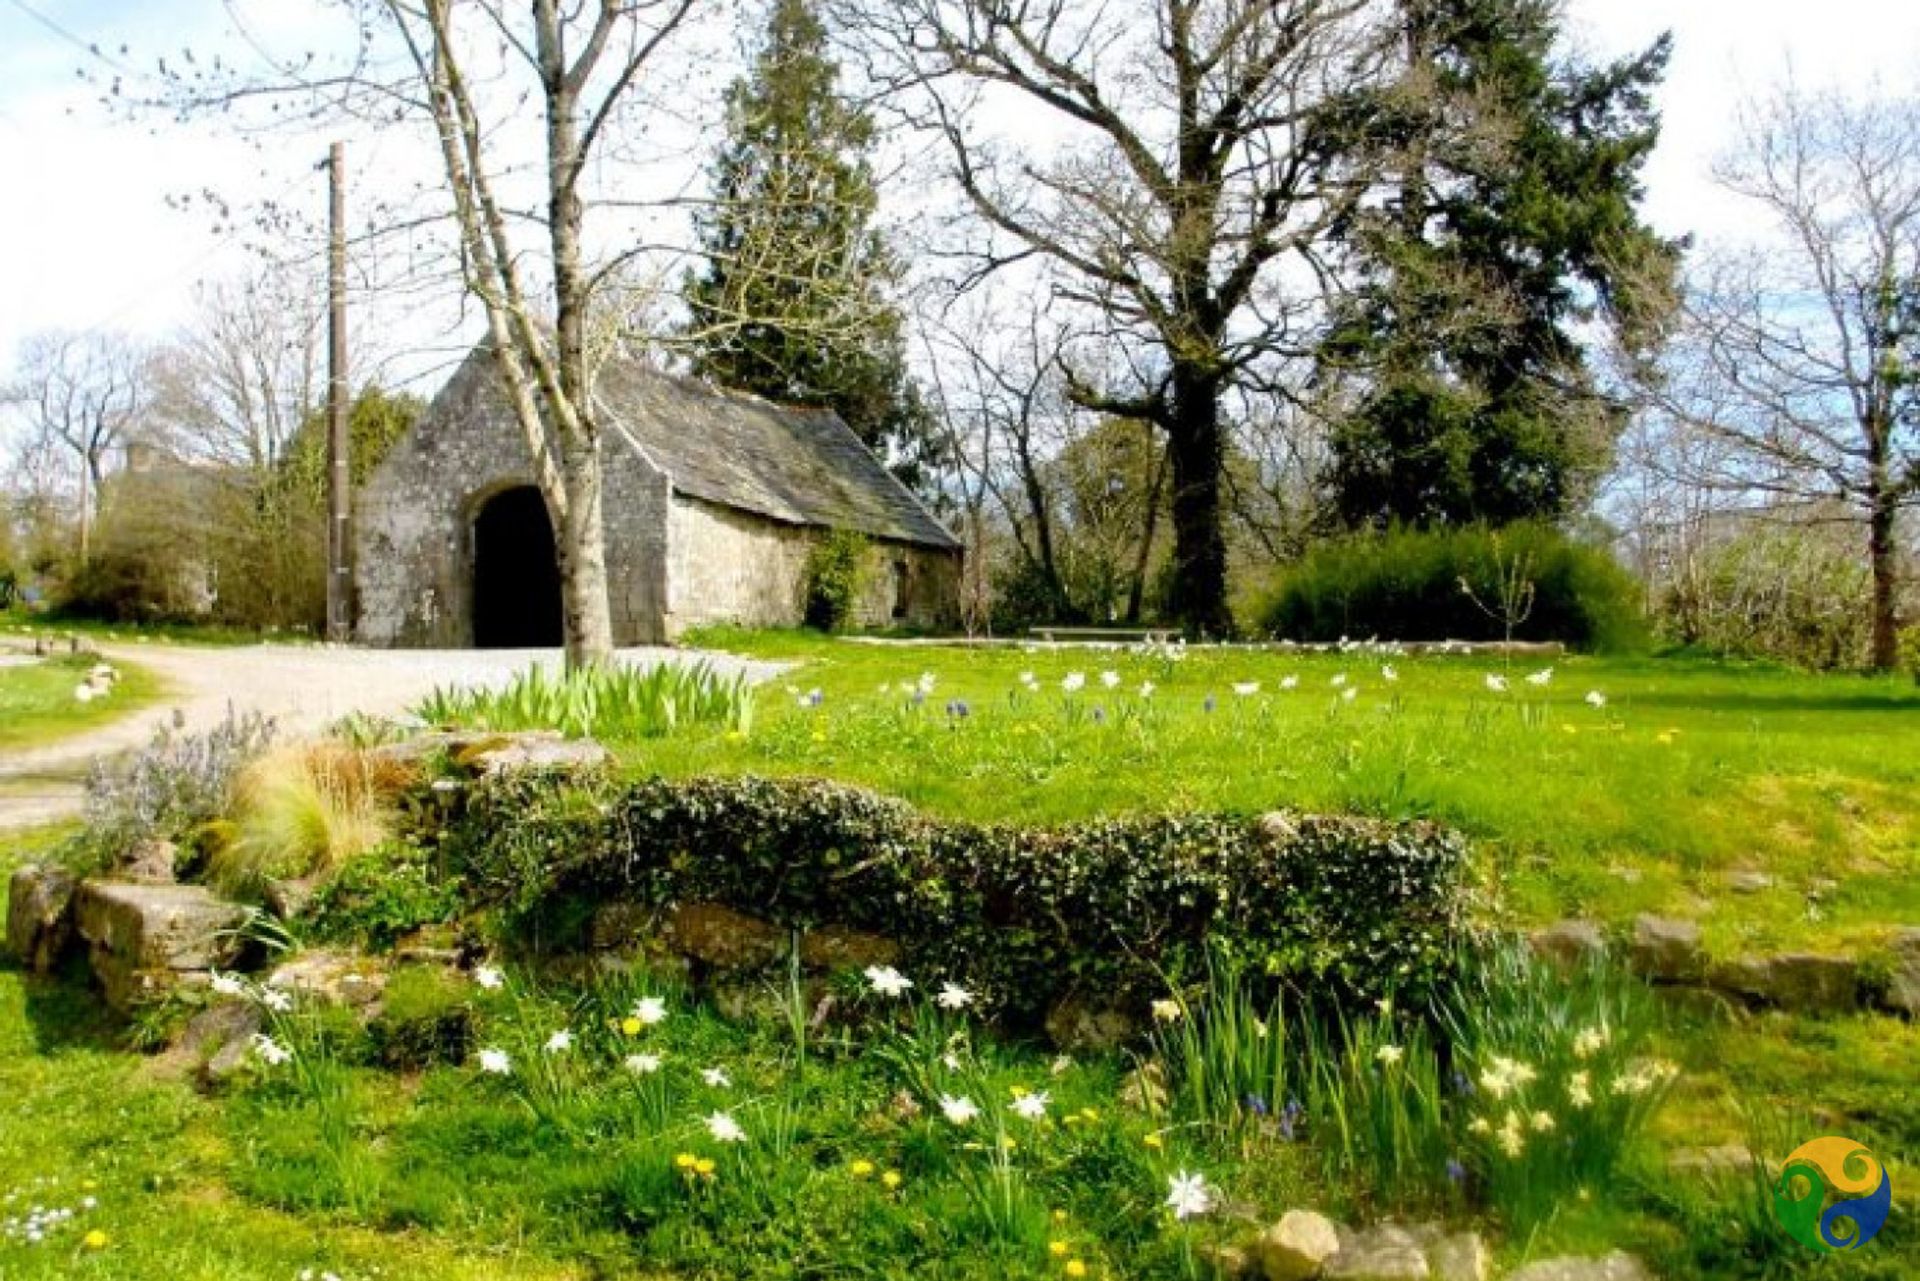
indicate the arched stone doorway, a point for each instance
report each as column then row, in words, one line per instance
column 516, row 576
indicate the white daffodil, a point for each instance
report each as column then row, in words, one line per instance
column 1110, row 679
column 650, row 1010
column 1350, row 693
column 489, row 978
column 227, row 985
column 1590, row 1041
column 643, row 1064
column 716, row 1077
column 725, row 1129
column 925, row 684
column 1542, row 678
column 275, row 999
column 1339, row 680
column 1290, row 682
column 1166, row 1011
column 1580, row 1090
column 1596, row 700
column 560, row 1042
column 270, row 1051
column 1497, row 684
column 495, row 1062
column 1061, row 1065
column 1146, row 689
column 1389, row 673
column 960, row 1110
column 887, row 981
column 1246, row 689
column 953, row 997
column 1073, row 682
column 1389, row 1055
column 1188, row 1195
column 1032, row 1106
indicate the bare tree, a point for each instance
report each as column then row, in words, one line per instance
column 237, row 383
column 1199, row 165
column 1802, row 356
column 86, row 393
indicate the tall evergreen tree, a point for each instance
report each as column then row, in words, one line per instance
column 793, row 300
column 1511, row 225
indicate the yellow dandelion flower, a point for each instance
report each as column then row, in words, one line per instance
column 1058, row 1249
column 1089, row 1114
column 686, row 1160
column 95, row 1240
column 631, row 1026
column 892, row 1179
column 1059, row 1216
column 1155, row 1142
column 861, row 1169
column 704, row 1167
column 1075, row 1268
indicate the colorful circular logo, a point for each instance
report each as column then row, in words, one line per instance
column 1833, row 1194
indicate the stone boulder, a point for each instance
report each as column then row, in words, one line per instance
column 1665, row 950
column 539, row 749
column 1462, row 1256
column 1802, row 982
column 722, row 938
column 1569, row 944
column 1078, row 1025
column 1384, row 1253
column 331, row 978
column 173, row 927
column 149, row 862
column 835, row 948
column 40, row 916
column 143, row 939
column 1618, row 1266
column 1903, row 983
column 1297, row 1247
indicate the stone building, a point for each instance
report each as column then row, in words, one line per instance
column 713, row 499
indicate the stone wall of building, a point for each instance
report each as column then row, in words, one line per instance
column 730, row 566
column 414, row 522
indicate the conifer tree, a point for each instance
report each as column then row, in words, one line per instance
column 793, row 302
column 1510, row 225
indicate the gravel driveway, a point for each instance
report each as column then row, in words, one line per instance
column 303, row 688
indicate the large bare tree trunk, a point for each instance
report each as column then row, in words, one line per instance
column 1883, row 554
column 582, row 552
column 1196, row 448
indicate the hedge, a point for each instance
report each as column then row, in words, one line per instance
column 1108, row 911
column 1405, row 585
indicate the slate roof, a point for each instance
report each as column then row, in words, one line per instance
column 801, row 466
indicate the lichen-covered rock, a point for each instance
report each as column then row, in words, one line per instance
column 40, row 916
column 1385, row 1253
column 149, row 862
column 1569, row 944
column 1461, row 1256
column 723, row 938
column 1803, row 982
column 1078, row 1025
column 1903, row 983
column 1667, row 950
column 159, row 927
column 835, row 948
column 1296, row 1247
column 1618, row 1266
column 538, row 749
column 331, row 978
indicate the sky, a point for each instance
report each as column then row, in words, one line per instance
column 91, row 235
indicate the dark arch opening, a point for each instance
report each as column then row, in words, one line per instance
column 516, row 576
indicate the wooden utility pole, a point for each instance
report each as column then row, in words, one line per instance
column 339, row 471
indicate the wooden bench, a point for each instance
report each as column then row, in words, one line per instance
column 1104, row 635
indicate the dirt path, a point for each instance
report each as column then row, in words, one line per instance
column 302, row 687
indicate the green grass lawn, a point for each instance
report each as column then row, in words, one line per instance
column 1690, row 771
column 21, row 623
column 37, row 702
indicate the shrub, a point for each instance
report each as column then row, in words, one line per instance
column 1408, row 585
column 830, row 584
column 1109, row 909
column 1798, row 595
column 614, row 703
column 1910, row 651
column 304, row 811
column 382, row 896
column 174, row 789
